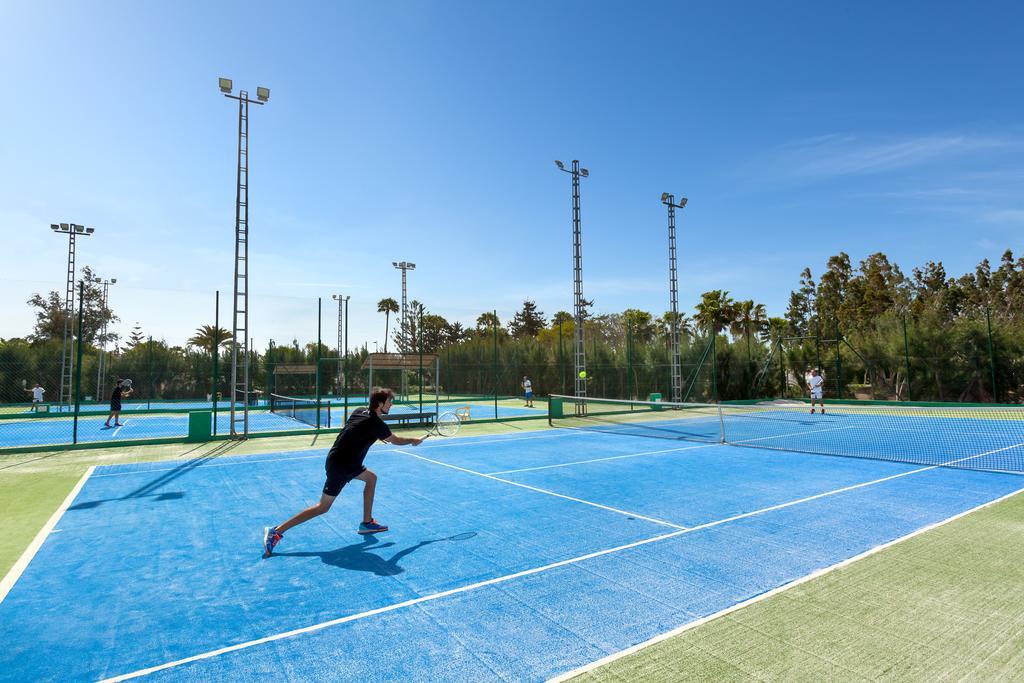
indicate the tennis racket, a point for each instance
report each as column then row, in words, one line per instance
column 447, row 424
column 126, row 384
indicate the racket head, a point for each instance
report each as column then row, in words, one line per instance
column 448, row 424
column 126, row 384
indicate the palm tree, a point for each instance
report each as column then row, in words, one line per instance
column 387, row 307
column 203, row 338
column 487, row 320
column 750, row 319
column 684, row 325
column 716, row 311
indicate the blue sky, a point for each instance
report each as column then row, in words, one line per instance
column 426, row 131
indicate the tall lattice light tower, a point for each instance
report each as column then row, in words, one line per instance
column 404, row 266
column 580, row 303
column 669, row 200
column 240, row 315
column 101, row 364
column 67, row 360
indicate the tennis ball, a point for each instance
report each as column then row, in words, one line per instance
column 583, row 374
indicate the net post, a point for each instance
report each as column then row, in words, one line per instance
column 721, row 423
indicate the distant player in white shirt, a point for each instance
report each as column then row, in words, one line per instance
column 816, row 382
column 528, row 391
column 37, row 395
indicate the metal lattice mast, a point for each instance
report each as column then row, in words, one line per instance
column 673, row 288
column 101, row 369
column 579, row 349
column 342, row 317
column 67, row 359
column 404, row 266
column 240, row 311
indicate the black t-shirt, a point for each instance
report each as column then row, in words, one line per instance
column 364, row 427
column 115, row 396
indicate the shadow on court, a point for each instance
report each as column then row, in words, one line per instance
column 149, row 490
column 359, row 558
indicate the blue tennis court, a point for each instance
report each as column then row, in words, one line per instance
column 515, row 557
column 42, row 431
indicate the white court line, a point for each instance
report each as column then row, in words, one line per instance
column 550, row 493
column 611, row 457
column 116, row 431
column 509, row 577
column 758, row 598
column 670, row 450
column 22, row 564
column 244, row 459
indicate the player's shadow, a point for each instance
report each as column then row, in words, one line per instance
column 357, row 557
column 149, row 490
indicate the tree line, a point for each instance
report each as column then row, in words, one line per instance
column 873, row 330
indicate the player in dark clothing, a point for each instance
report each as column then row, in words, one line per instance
column 345, row 463
column 123, row 389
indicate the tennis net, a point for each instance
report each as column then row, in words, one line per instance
column 304, row 410
column 970, row 437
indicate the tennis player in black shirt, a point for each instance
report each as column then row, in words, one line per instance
column 345, row 463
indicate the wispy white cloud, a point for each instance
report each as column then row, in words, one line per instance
column 1004, row 216
column 835, row 155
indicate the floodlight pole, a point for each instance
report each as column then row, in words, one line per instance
column 240, row 315
column 342, row 333
column 673, row 287
column 67, row 360
column 101, row 362
column 403, row 266
column 580, row 376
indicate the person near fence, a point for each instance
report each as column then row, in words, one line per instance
column 816, row 383
column 119, row 392
column 345, row 463
column 528, row 391
column 37, row 395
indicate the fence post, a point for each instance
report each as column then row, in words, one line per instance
column 495, row 364
column 906, row 355
column 991, row 355
column 839, row 362
column 629, row 362
column 78, row 366
column 149, row 371
column 216, row 356
column 561, row 357
column 319, row 325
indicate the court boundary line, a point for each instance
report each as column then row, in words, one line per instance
column 528, row 572
column 550, row 493
column 243, row 459
column 669, row 450
column 19, row 567
column 764, row 596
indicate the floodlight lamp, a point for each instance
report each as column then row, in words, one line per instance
column 78, row 228
column 559, row 164
column 585, row 173
column 665, row 197
column 263, row 94
column 113, row 280
column 225, row 85
column 89, row 231
column 54, row 227
column 65, row 227
column 682, row 202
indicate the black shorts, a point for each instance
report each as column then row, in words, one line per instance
column 115, row 406
column 339, row 475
